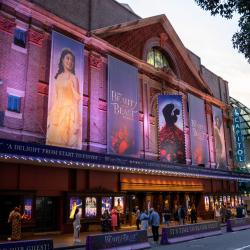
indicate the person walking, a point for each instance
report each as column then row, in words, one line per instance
column 155, row 223
column 77, row 226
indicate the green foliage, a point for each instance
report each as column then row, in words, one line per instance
column 227, row 8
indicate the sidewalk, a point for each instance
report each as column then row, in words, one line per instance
column 66, row 241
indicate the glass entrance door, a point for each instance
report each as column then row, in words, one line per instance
column 46, row 214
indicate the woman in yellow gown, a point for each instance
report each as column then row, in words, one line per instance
column 64, row 118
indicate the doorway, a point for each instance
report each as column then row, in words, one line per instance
column 46, row 214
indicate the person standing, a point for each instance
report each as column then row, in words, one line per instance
column 217, row 214
column 77, row 226
column 144, row 218
column 166, row 216
column 137, row 215
column 223, row 213
column 155, row 223
column 114, row 218
column 106, row 221
column 15, row 220
column 193, row 214
column 181, row 215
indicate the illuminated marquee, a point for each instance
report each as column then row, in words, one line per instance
column 240, row 149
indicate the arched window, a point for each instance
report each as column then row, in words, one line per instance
column 157, row 58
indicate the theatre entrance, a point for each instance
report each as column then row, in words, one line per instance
column 47, row 214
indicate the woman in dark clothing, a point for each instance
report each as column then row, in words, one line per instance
column 193, row 214
column 106, row 222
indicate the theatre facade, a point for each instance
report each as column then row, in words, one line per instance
column 122, row 115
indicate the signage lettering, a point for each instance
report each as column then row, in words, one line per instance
column 240, row 148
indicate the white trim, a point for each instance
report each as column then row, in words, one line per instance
column 18, row 48
column 15, row 92
column 21, row 25
column 13, row 114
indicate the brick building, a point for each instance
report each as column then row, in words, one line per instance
column 48, row 181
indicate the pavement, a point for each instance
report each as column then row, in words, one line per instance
column 66, row 241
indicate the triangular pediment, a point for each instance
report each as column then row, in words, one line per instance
column 132, row 37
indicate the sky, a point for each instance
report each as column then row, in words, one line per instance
column 209, row 37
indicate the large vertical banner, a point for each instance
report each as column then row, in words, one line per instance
column 64, row 123
column 198, row 131
column 240, row 148
column 219, row 138
column 123, row 123
column 171, row 128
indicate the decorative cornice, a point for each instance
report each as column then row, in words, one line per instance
column 36, row 37
column 7, row 25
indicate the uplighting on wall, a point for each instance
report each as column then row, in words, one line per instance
column 1, row 81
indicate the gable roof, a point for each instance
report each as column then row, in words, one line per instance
column 162, row 19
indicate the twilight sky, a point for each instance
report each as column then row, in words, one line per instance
column 207, row 36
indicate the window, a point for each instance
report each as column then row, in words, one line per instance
column 156, row 58
column 20, row 37
column 14, row 103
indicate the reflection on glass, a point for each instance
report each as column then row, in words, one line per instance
column 90, row 207
column 232, row 202
column 212, row 202
column 206, row 201
column 75, row 202
column 224, row 200
column 106, row 204
column 150, row 57
column 157, row 58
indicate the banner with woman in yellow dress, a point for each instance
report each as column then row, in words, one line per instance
column 64, row 123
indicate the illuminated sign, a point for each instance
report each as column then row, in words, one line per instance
column 240, row 149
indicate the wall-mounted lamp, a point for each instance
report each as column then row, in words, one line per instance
column 1, row 81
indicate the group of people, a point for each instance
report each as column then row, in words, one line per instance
column 146, row 218
column 223, row 213
column 182, row 214
column 110, row 221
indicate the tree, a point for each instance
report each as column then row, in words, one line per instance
column 227, row 8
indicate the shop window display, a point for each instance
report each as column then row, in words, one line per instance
column 119, row 204
column 206, row 201
column 224, row 200
column 90, row 207
column 27, row 210
column 75, row 202
column 211, row 200
column 106, row 204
